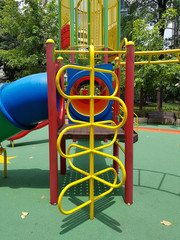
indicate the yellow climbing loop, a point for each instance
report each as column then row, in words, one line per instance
column 91, row 150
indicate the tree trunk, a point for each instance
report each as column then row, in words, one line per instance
column 141, row 103
column 159, row 98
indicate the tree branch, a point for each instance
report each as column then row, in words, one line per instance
column 155, row 1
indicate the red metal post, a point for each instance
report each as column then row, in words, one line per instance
column 61, row 117
column 105, row 55
column 73, row 56
column 52, row 115
column 129, row 100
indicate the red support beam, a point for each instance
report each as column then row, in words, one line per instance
column 52, row 116
column 73, row 56
column 129, row 100
column 105, row 55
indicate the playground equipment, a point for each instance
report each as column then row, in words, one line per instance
column 25, row 132
column 3, row 151
column 90, row 43
column 102, row 123
column 28, row 95
column 23, row 104
column 93, row 37
column 90, row 30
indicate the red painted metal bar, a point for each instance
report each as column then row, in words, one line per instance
column 73, row 56
column 105, row 56
column 61, row 116
column 52, row 115
column 129, row 100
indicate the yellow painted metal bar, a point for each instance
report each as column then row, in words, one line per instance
column 177, row 55
column 172, row 51
column 80, row 25
column 83, row 22
column 12, row 143
column 94, row 23
column 149, row 60
column 77, row 14
column 152, row 62
column 78, row 4
column 143, row 53
column 125, row 43
column 122, row 149
column 91, row 137
column 97, row 24
column 156, row 62
column 136, row 122
column 3, row 151
column 91, row 22
column 5, row 163
column 64, row 191
column 150, row 54
column 99, row 46
column 87, row 52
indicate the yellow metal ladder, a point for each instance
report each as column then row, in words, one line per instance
column 91, row 150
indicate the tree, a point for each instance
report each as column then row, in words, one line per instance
column 23, row 34
column 155, row 14
column 152, row 11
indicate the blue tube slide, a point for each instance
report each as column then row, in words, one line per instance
column 80, row 79
column 23, row 104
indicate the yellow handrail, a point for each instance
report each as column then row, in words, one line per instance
column 120, row 52
column 136, row 122
column 122, row 149
column 176, row 52
column 91, row 150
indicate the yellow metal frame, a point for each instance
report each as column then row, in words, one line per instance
column 92, row 150
column 150, row 54
column 3, row 150
column 136, row 116
column 136, row 122
column 12, row 143
column 91, row 176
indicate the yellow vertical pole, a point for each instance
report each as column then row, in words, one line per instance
column 5, row 164
column 80, row 24
column 91, row 19
column 101, row 24
column 77, row 23
column 83, row 23
column 94, row 22
column 91, row 137
column 97, row 25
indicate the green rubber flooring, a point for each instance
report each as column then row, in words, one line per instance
column 156, row 193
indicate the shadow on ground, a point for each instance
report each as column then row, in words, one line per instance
column 77, row 218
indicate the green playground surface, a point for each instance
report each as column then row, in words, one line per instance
column 156, row 193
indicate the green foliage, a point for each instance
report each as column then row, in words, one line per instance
column 151, row 11
column 23, row 34
column 149, row 38
column 146, row 38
